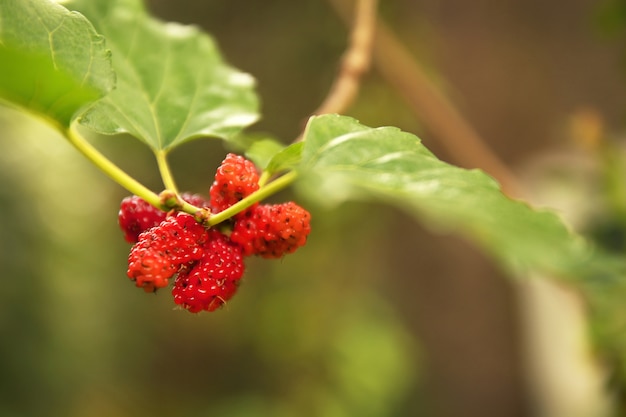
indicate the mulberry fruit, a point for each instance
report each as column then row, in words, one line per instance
column 235, row 179
column 271, row 231
column 213, row 280
column 162, row 250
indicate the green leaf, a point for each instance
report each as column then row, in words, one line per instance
column 172, row 83
column 344, row 160
column 53, row 61
column 287, row 158
column 262, row 151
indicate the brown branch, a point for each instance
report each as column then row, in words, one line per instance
column 401, row 70
column 437, row 113
column 355, row 61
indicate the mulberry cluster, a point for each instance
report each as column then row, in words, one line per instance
column 206, row 264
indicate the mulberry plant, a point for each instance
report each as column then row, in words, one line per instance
column 74, row 68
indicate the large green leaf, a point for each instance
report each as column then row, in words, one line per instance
column 52, row 61
column 344, row 160
column 172, row 83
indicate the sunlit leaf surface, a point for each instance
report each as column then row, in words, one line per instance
column 172, row 83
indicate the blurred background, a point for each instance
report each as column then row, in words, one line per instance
column 377, row 316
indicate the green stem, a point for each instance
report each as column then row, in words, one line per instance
column 109, row 168
column 135, row 187
column 262, row 193
column 164, row 169
column 265, row 176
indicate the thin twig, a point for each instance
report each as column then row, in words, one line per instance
column 355, row 61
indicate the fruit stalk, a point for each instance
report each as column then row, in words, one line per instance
column 259, row 195
column 166, row 173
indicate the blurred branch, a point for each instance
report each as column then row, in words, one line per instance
column 401, row 70
column 356, row 59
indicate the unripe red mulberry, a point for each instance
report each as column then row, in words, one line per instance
column 137, row 215
column 235, row 179
column 271, row 231
column 213, row 280
column 162, row 250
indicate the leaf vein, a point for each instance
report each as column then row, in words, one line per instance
column 153, row 102
column 135, row 74
column 192, row 103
